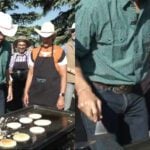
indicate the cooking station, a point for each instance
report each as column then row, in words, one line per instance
column 57, row 135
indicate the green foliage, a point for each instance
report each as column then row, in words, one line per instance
column 25, row 18
column 8, row 5
column 62, row 22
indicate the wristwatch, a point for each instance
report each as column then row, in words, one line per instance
column 62, row 94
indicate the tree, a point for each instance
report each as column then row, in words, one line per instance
column 27, row 18
column 23, row 18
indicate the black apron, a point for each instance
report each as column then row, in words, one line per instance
column 19, row 75
column 20, row 70
column 45, row 86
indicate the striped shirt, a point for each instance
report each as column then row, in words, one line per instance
column 18, row 57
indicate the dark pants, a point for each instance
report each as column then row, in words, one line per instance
column 2, row 102
column 147, row 97
column 131, row 108
column 16, row 103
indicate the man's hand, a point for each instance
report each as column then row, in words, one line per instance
column 90, row 105
column 26, row 100
column 10, row 94
column 88, row 102
column 60, row 103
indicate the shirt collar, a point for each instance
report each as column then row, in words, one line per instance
column 21, row 54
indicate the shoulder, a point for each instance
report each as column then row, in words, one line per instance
column 58, row 53
column 34, row 52
column 14, row 54
column 6, row 44
column 58, row 50
column 70, row 43
column 86, row 7
column 90, row 5
column 91, row 14
column 28, row 53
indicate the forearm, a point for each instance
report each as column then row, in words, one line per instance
column 63, row 84
column 9, row 82
column 88, row 102
column 28, row 81
column 8, row 77
column 63, row 78
column 80, row 81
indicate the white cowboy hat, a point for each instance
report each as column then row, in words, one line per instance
column 47, row 30
column 7, row 28
column 72, row 27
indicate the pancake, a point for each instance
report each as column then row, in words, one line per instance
column 35, row 116
column 7, row 143
column 21, row 137
column 1, row 137
column 42, row 122
column 25, row 120
column 37, row 130
column 14, row 125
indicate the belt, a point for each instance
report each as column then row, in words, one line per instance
column 118, row 89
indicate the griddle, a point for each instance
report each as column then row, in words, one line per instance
column 62, row 123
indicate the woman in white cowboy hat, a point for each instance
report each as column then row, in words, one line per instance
column 7, row 28
column 46, row 82
column 18, row 69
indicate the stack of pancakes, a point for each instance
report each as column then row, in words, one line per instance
column 7, row 143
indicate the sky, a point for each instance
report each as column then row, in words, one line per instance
column 50, row 15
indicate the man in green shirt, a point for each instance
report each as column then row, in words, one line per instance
column 113, row 49
column 6, row 29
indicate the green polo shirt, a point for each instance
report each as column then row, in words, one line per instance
column 5, row 53
column 113, row 41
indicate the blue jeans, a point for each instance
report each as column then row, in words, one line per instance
column 2, row 102
column 69, row 95
column 131, row 107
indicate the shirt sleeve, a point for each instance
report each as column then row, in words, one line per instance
column 8, row 45
column 87, row 23
column 63, row 62
column 30, row 60
column 62, row 57
column 64, row 48
column 12, row 61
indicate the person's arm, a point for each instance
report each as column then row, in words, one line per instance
column 9, row 80
column 29, row 79
column 27, row 87
column 10, row 86
column 63, row 77
column 88, row 102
